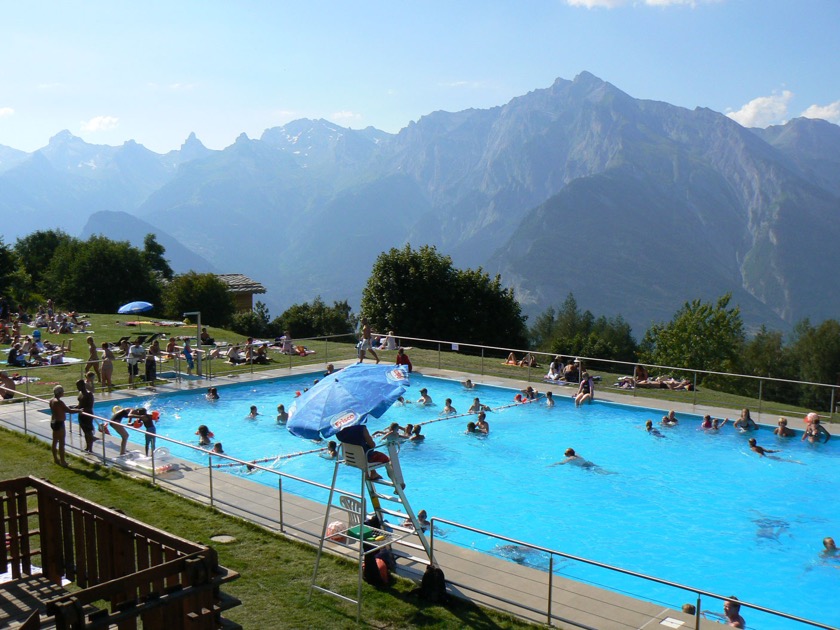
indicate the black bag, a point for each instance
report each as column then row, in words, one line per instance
column 433, row 586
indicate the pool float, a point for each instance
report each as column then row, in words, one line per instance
column 138, row 461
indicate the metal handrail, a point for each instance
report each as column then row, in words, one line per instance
column 609, row 567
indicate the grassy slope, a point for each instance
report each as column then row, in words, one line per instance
column 275, row 571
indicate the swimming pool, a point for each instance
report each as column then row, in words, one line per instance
column 693, row 507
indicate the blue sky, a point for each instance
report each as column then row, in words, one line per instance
column 156, row 71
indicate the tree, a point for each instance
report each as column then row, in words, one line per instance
column 816, row 354
column 14, row 281
column 568, row 331
column 153, row 254
column 199, row 292
column 36, row 251
column 99, row 275
column 315, row 319
column 701, row 336
column 419, row 293
column 253, row 323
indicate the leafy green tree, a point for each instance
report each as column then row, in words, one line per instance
column 419, row 293
column 315, row 319
column 701, row 336
column 766, row 355
column 572, row 332
column 153, row 254
column 99, row 275
column 36, row 251
column 199, row 292
column 253, row 323
column 816, row 353
column 14, row 281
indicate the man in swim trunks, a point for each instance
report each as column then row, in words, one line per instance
column 365, row 342
column 59, row 411
column 482, row 426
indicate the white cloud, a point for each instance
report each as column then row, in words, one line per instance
column 830, row 112
column 462, row 84
column 764, row 110
column 5, row 112
column 345, row 116
column 100, row 123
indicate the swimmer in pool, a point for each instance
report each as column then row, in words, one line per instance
column 482, row 426
column 707, row 422
column 670, row 420
column 755, row 448
column 393, row 432
column 477, row 406
column 782, row 430
column 717, row 424
column 424, row 399
column 745, row 422
column 253, row 413
column 830, row 548
column 282, row 414
column 732, row 612
column 549, row 399
column 576, row 460
column 814, row 431
column 654, row 432
column 468, row 384
column 470, row 427
column 416, row 436
column 448, row 409
column 332, row 450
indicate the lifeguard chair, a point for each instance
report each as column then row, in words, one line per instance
column 390, row 490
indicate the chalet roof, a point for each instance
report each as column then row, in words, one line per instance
column 239, row 283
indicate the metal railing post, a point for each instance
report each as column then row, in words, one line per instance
column 280, row 502
column 482, row 360
column 760, row 395
column 831, row 409
column 102, row 439
column 694, row 401
column 550, row 587
column 210, row 475
column 438, row 355
column 154, row 471
column 326, row 350
column 697, row 614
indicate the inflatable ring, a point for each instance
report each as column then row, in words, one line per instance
column 116, row 409
column 162, row 451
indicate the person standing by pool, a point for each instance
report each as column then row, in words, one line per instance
column 365, row 342
column 782, row 430
column 732, row 612
column 188, row 355
column 148, row 426
column 120, row 414
column 85, row 407
column 106, row 370
column 59, row 411
column 814, row 431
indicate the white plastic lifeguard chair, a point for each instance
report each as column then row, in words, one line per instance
column 371, row 539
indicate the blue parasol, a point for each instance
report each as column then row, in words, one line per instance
column 346, row 398
column 135, row 307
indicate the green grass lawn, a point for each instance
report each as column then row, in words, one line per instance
column 107, row 328
column 275, row 572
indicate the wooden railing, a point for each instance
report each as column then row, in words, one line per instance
column 90, row 554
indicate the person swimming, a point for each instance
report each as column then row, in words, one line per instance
column 654, row 432
column 448, row 409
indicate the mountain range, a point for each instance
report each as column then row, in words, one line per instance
column 633, row 205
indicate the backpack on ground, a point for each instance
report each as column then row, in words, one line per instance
column 433, row 586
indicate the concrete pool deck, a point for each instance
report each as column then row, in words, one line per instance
column 479, row 577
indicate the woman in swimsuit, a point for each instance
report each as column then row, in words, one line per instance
column 107, row 369
column 586, row 390
column 93, row 358
column 814, row 431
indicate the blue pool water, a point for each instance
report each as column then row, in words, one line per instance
column 695, row 508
